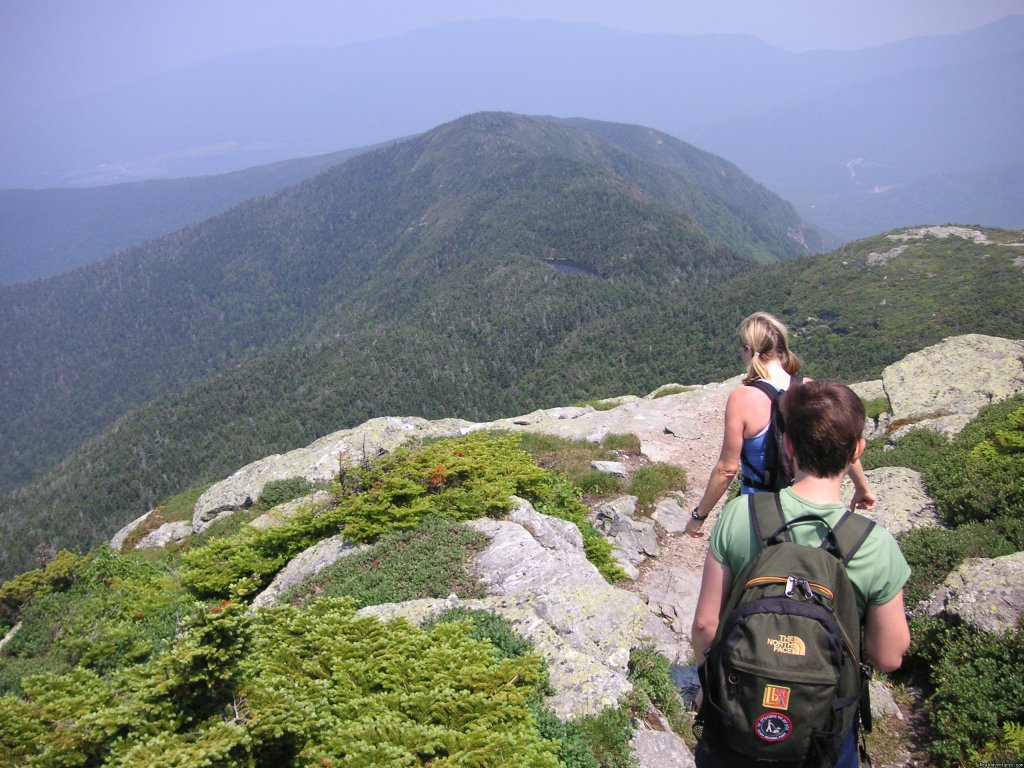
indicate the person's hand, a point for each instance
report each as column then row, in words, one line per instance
column 863, row 499
column 693, row 528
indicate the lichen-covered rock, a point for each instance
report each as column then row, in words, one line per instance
column 282, row 513
column 882, row 702
column 637, row 539
column 167, row 533
column 320, row 461
column 903, row 502
column 660, row 749
column 944, row 386
column 610, row 467
column 868, row 391
column 987, row 594
column 672, row 594
column 304, row 566
column 118, row 539
column 670, row 515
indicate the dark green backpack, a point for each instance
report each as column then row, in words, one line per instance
column 783, row 679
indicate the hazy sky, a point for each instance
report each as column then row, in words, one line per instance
column 53, row 48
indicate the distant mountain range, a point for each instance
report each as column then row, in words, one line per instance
column 493, row 265
column 47, row 231
column 828, row 130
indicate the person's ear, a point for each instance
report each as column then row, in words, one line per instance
column 861, row 445
column 787, row 446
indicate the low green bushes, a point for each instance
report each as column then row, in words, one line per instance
column 58, row 575
column 976, row 689
column 426, row 561
column 980, row 476
column 288, row 687
column 120, row 609
column 917, row 450
column 457, row 479
column 975, row 681
column 935, row 552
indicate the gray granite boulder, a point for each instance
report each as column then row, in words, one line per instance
column 616, row 468
column 943, row 386
column 672, row 594
column 282, row 513
column 903, row 503
column 320, row 461
column 660, row 749
column 118, row 539
column 637, row 539
column 168, row 533
column 987, row 594
column 670, row 515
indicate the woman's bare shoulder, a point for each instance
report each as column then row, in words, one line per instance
column 743, row 395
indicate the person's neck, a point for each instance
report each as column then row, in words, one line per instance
column 817, row 490
column 775, row 369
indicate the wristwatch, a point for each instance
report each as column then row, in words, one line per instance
column 695, row 516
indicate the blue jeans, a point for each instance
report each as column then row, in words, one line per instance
column 705, row 757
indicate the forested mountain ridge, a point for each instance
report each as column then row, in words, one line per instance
column 852, row 312
column 460, row 231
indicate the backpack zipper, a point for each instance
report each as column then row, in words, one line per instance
column 790, row 583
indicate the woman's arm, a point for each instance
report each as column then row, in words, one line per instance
column 863, row 497
column 728, row 463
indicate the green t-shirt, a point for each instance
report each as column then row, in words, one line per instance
column 878, row 570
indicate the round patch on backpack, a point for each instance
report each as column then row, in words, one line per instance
column 773, row 727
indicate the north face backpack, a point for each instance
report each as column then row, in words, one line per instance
column 778, row 469
column 783, row 679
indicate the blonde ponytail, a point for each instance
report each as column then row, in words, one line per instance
column 767, row 339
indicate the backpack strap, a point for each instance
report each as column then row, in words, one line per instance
column 767, row 388
column 851, row 531
column 771, row 527
column 766, row 516
column 770, row 390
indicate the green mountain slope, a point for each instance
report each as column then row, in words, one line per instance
column 425, row 278
column 358, row 245
column 852, row 312
column 876, row 300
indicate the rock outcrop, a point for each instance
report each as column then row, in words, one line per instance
column 987, row 594
column 903, row 502
column 943, row 386
column 282, row 513
column 304, row 566
column 535, row 570
column 318, row 462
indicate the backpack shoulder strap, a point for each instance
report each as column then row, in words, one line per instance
column 766, row 517
column 851, row 531
column 767, row 388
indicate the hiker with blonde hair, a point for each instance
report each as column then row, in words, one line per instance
column 771, row 367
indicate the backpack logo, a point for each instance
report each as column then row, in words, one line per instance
column 775, row 697
column 773, row 727
column 790, row 644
